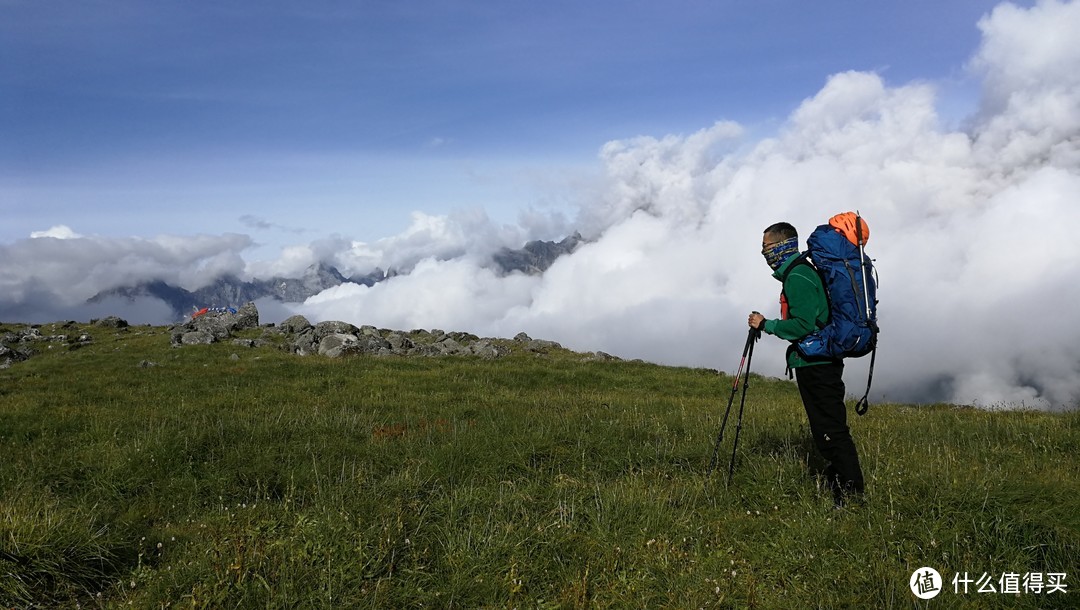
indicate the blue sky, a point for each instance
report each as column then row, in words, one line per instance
column 289, row 121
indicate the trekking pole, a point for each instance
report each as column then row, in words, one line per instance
column 862, row 264
column 863, row 405
column 753, row 334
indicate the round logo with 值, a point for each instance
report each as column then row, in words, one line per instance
column 925, row 583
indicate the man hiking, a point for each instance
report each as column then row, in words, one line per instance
column 804, row 308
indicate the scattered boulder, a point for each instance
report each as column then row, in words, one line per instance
column 246, row 317
column 488, row 350
column 332, row 346
column 325, row 329
column 600, row 357
column 399, row 342
column 110, row 322
column 541, row 346
column 19, row 345
column 9, row 356
column 219, row 324
column 197, row 337
column 296, row 334
column 304, row 343
column 450, row 347
column 294, row 325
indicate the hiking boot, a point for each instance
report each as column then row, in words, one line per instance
column 848, row 499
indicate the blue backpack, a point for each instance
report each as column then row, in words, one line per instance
column 851, row 289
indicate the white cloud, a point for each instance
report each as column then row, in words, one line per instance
column 58, row 232
column 1031, row 87
column 453, row 295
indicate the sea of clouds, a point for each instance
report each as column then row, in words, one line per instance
column 972, row 230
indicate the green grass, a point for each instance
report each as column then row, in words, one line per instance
column 530, row 481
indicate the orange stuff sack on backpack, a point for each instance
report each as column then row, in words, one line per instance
column 845, row 224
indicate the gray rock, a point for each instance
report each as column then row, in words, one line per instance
column 30, row 334
column 425, row 349
column 216, row 325
column 246, row 317
column 399, row 343
column 305, row 343
column 323, row 329
column 295, row 324
column 197, row 337
column 333, row 346
column 487, row 350
column 542, row 346
column 450, row 347
column 110, row 322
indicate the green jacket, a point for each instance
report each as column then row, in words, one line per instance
column 807, row 309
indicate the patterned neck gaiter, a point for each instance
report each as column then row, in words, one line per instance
column 781, row 251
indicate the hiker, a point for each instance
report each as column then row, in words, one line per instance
column 804, row 307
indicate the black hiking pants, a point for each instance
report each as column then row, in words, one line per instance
column 822, row 390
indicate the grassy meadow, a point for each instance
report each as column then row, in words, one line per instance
column 223, row 476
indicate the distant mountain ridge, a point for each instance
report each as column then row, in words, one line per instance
column 533, row 259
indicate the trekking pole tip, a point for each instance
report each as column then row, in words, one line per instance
column 862, row 406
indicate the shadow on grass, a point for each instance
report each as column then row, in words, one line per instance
column 80, row 565
column 796, row 445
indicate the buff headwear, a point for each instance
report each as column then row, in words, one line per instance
column 781, row 251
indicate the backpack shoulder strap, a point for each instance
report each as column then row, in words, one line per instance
column 802, row 258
